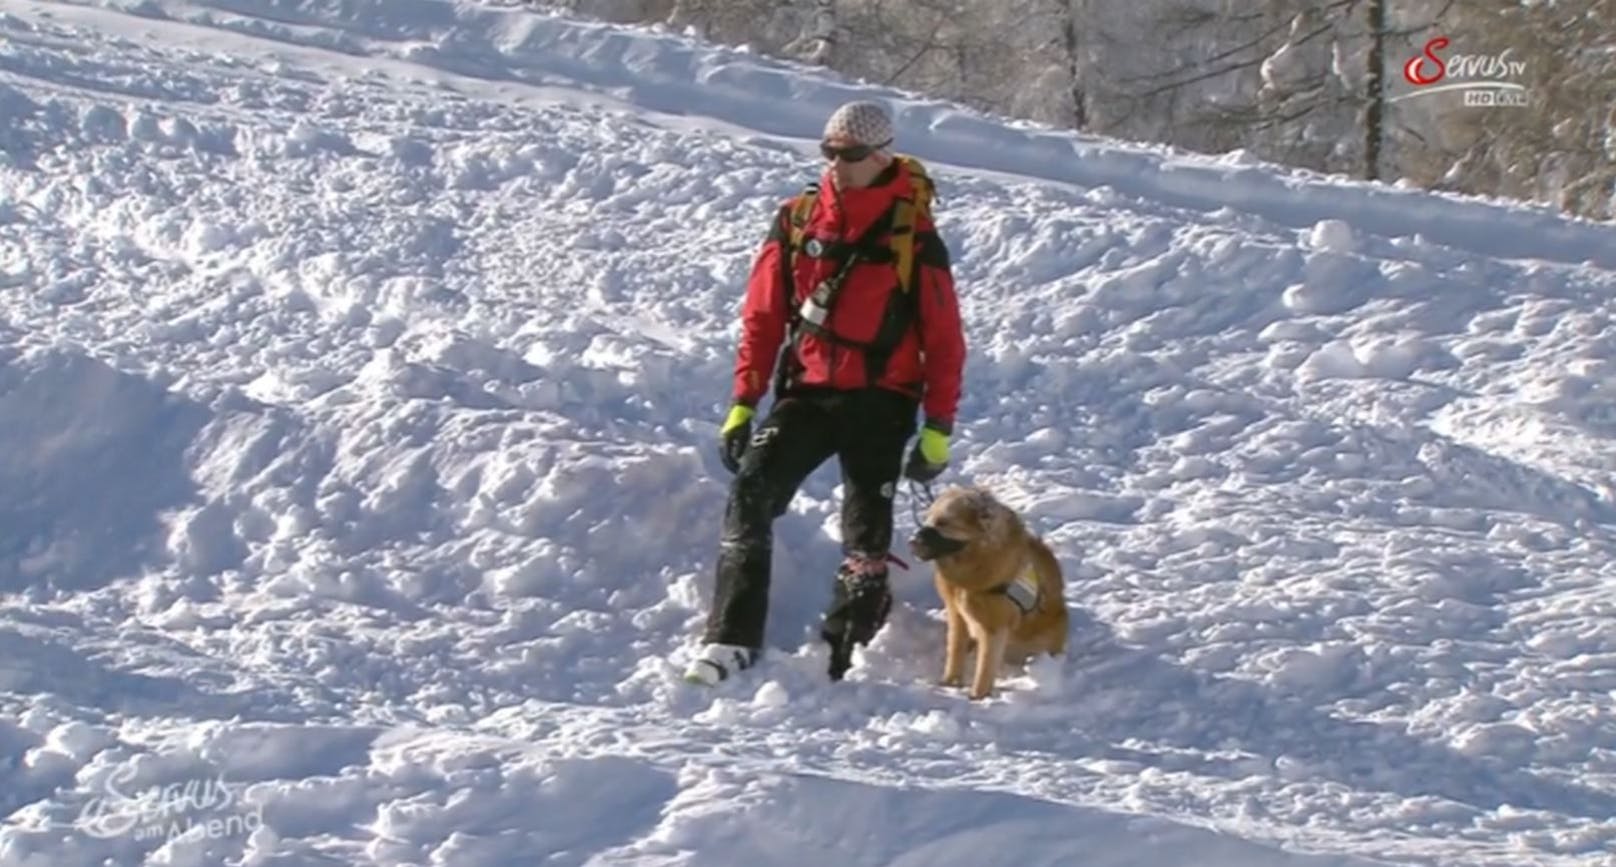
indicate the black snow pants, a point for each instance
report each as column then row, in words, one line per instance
column 866, row 430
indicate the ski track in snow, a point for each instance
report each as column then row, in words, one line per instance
column 361, row 370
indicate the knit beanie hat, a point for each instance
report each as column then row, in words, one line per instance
column 863, row 122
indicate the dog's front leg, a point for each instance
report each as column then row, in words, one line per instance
column 954, row 647
column 989, row 656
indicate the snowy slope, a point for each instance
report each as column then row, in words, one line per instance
column 361, row 365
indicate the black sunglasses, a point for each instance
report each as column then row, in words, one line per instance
column 851, row 153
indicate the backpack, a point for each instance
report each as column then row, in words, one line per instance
column 905, row 212
column 900, row 221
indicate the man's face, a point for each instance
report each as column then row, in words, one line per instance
column 852, row 165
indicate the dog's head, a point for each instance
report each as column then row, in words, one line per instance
column 960, row 518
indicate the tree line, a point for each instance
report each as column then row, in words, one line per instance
column 1513, row 98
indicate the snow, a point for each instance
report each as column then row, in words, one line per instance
column 362, row 365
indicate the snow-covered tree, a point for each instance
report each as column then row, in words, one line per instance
column 1560, row 146
column 1313, row 83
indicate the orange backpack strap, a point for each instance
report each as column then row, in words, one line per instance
column 906, row 214
column 802, row 207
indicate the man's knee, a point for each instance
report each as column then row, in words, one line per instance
column 756, row 496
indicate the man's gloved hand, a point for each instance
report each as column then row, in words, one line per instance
column 737, row 430
column 929, row 457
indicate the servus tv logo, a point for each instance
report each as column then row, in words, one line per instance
column 1484, row 79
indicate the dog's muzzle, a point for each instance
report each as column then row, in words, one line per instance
column 929, row 544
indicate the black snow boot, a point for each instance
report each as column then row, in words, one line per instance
column 858, row 609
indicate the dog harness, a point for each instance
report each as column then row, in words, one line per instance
column 1023, row 591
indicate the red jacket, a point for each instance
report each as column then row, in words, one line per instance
column 927, row 363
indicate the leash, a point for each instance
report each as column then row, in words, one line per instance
column 918, row 494
column 920, row 499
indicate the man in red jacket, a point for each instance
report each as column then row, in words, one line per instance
column 857, row 356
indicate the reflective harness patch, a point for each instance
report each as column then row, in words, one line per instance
column 1023, row 591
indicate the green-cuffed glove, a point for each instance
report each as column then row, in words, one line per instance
column 929, row 457
column 735, row 433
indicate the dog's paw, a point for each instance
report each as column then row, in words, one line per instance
column 951, row 681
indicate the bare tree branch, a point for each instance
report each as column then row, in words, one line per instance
column 1233, row 67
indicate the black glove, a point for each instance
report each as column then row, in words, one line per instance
column 736, row 433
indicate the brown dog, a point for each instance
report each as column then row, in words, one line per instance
column 1001, row 586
